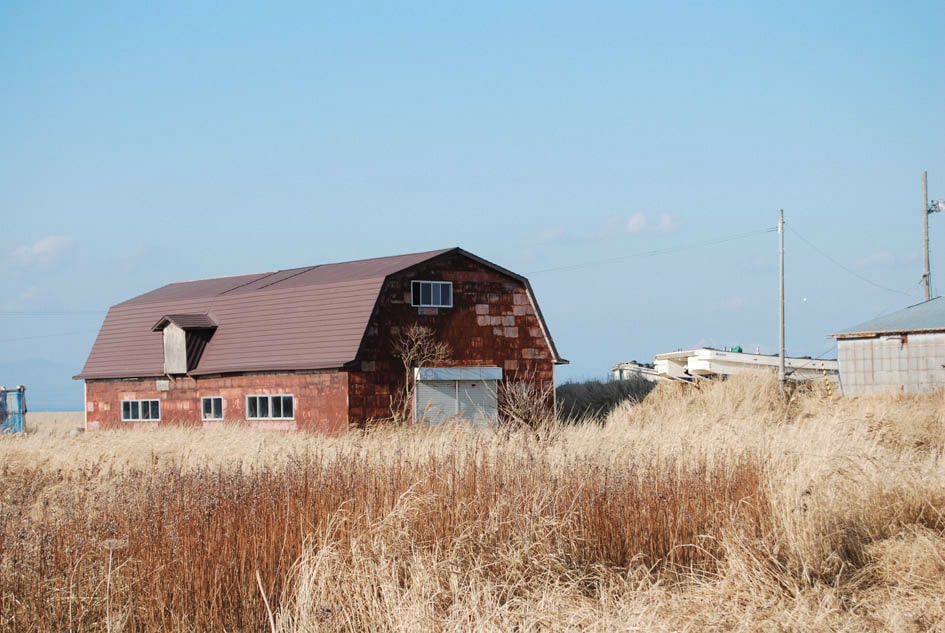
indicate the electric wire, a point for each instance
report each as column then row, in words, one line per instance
column 844, row 268
column 47, row 313
column 659, row 251
column 39, row 336
column 820, row 357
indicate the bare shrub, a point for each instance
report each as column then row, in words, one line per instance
column 415, row 347
column 525, row 406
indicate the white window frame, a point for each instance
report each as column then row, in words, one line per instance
column 269, row 408
column 136, row 407
column 203, row 408
column 438, row 286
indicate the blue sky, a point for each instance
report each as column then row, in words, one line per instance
column 626, row 157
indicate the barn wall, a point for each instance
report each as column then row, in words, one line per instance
column 491, row 323
column 911, row 363
column 321, row 400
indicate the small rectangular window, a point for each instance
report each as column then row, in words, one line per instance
column 212, row 408
column 270, row 407
column 137, row 410
column 287, row 411
column 432, row 294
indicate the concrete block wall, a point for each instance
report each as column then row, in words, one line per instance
column 320, row 400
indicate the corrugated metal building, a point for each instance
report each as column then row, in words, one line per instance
column 902, row 351
column 312, row 348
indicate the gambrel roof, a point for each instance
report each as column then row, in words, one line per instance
column 300, row 319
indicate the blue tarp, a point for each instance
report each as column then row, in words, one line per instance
column 12, row 409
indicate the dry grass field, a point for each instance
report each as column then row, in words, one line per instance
column 723, row 508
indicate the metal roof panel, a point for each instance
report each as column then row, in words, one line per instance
column 921, row 317
column 303, row 318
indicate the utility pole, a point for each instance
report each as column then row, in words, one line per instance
column 926, row 272
column 781, row 310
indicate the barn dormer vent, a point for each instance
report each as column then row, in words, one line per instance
column 185, row 338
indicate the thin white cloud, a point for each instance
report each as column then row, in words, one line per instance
column 641, row 223
column 44, row 253
column 669, row 223
column 546, row 236
column 537, row 239
column 637, row 223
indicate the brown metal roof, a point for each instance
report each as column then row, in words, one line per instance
column 185, row 322
column 194, row 289
column 303, row 318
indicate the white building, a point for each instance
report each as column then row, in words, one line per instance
column 902, row 351
column 633, row 369
column 706, row 362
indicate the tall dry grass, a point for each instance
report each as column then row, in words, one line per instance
column 719, row 508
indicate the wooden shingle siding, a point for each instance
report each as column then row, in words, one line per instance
column 510, row 337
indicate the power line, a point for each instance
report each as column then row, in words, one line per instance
column 844, row 268
column 48, row 313
column 820, row 357
column 30, row 338
column 659, row 251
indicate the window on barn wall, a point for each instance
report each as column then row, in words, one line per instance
column 279, row 407
column 432, row 294
column 212, row 408
column 140, row 410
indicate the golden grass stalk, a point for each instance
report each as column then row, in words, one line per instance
column 718, row 508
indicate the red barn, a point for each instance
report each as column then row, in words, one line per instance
column 314, row 348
